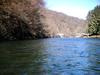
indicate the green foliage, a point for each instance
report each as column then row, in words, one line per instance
column 93, row 19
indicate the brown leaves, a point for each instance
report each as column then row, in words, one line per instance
column 24, row 19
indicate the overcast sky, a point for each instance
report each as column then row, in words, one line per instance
column 76, row 8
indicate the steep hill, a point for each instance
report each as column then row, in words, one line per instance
column 20, row 19
column 56, row 22
column 28, row 19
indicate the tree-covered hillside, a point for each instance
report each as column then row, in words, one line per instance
column 59, row 23
column 20, row 19
column 29, row 19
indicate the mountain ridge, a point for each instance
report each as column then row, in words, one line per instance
column 57, row 22
column 19, row 20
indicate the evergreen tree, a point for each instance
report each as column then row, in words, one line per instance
column 93, row 19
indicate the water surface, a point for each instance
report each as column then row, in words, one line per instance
column 68, row 56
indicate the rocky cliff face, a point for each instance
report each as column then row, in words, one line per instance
column 56, row 22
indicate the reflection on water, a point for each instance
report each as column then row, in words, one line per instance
column 50, row 57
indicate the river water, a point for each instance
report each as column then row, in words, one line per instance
column 55, row 56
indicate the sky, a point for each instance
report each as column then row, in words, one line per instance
column 76, row 8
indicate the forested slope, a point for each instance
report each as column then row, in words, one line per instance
column 20, row 19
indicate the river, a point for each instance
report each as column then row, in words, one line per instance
column 54, row 56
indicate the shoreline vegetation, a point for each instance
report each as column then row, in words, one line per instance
column 20, row 19
column 94, row 36
column 29, row 19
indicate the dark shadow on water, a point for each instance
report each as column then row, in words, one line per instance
column 69, row 56
column 21, row 58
